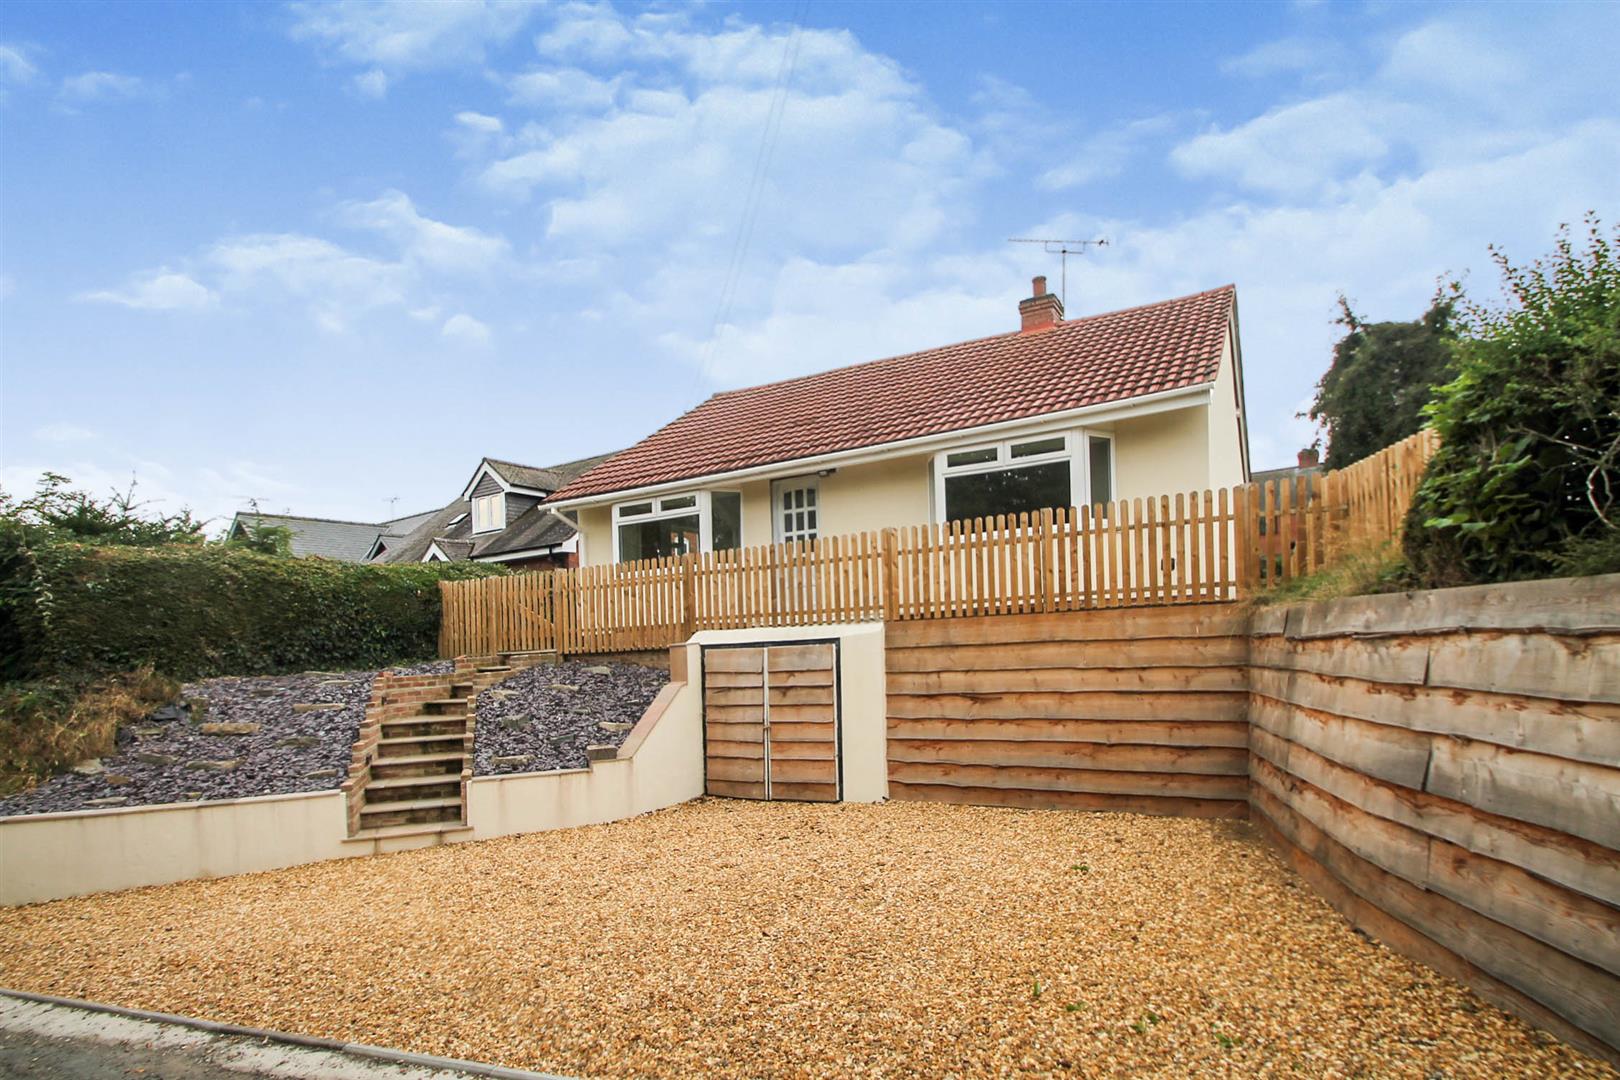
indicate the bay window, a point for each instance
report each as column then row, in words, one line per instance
column 657, row 528
column 1023, row 476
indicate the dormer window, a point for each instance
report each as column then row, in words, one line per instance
column 489, row 513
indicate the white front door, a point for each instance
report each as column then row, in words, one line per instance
column 796, row 509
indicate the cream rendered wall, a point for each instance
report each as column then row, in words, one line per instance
column 756, row 502
column 49, row 856
column 1162, row 454
column 596, row 530
column 879, row 495
column 1227, row 464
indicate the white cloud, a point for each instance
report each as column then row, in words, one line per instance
column 63, row 432
column 1284, row 56
column 103, row 86
column 1104, row 154
column 371, row 84
column 15, row 67
column 335, row 283
column 563, row 89
column 1295, row 148
column 463, row 329
column 157, row 290
column 849, row 121
column 409, row 36
column 473, row 121
column 422, row 240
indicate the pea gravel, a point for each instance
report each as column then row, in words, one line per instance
column 743, row 939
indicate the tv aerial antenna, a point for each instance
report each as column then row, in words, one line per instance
column 392, row 501
column 1063, row 248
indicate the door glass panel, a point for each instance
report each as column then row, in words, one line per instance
column 1102, row 470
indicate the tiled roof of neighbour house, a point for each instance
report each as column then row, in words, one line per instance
column 547, row 479
column 349, row 541
column 414, row 545
column 454, row 550
column 536, row 527
column 401, row 526
column 1171, row 345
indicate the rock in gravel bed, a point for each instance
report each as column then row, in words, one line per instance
column 550, row 715
column 228, row 738
column 739, row 939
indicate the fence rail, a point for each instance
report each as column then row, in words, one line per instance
column 1188, row 548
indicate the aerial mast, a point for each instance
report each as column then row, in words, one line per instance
column 1063, row 248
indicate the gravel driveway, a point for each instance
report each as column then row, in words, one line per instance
column 770, row 939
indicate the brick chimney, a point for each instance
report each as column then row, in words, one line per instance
column 1041, row 311
column 1309, row 458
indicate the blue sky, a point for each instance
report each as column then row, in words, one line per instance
column 328, row 255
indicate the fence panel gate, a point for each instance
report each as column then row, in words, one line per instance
column 770, row 721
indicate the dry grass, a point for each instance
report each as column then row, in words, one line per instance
column 752, row 940
column 46, row 726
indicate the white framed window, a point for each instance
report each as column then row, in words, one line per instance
column 489, row 512
column 796, row 509
column 654, row 528
column 1026, row 474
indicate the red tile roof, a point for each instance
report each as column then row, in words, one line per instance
column 1170, row 345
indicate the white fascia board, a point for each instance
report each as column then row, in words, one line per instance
column 526, row 553
column 433, row 549
column 1105, row 413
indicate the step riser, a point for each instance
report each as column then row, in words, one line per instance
column 382, row 770
column 448, row 788
column 382, row 820
column 456, row 744
column 415, row 729
column 444, row 708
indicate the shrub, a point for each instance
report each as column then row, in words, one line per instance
column 1382, row 375
column 219, row 610
column 1525, row 478
column 47, row 725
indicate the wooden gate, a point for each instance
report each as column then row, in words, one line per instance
column 770, row 721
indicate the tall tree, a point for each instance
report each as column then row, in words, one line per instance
column 1382, row 375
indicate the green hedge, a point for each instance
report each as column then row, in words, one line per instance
column 192, row 611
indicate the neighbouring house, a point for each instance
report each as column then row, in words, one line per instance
column 1310, row 464
column 347, row 541
column 498, row 517
column 1141, row 402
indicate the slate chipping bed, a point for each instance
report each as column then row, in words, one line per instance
column 169, row 756
column 544, row 718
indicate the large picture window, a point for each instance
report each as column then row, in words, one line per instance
column 677, row 525
column 1023, row 476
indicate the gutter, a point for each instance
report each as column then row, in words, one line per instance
column 1106, row 412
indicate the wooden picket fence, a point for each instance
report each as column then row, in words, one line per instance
column 1191, row 548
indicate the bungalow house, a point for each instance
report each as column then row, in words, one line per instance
column 326, row 538
column 1144, row 401
column 498, row 517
